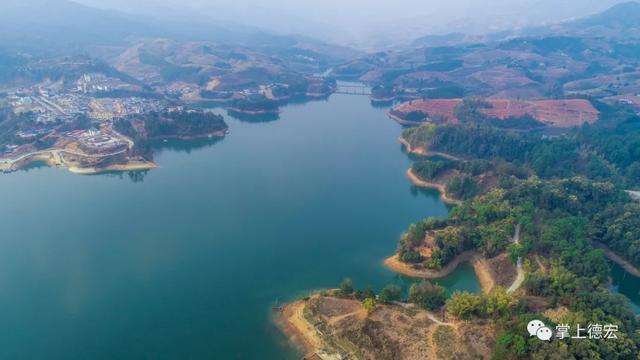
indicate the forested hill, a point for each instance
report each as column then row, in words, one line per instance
column 567, row 195
column 607, row 150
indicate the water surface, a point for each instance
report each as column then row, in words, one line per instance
column 627, row 285
column 186, row 261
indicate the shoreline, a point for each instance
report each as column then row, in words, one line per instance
column 52, row 159
column 298, row 330
column 479, row 265
column 420, row 151
column 410, row 149
column 480, row 268
column 431, row 185
column 405, row 122
column 130, row 166
column 312, row 95
column 626, row 265
column 253, row 112
column 215, row 134
column 382, row 100
column 398, row 266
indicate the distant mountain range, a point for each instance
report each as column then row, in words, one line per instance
column 621, row 16
column 618, row 22
column 58, row 25
column 63, row 27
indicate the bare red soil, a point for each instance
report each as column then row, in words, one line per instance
column 555, row 113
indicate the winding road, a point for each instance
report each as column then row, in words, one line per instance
column 520, row 276
column 635, row 195
column 430, row 315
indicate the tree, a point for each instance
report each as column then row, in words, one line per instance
column 499, row 302
column 510, row 346
column 409, row 255
column 465, row 305
column 537, row 283
column 369, row 305
column 427, row 295
column 633, row 174
column 368, row 294
column 515, row 251
column 390, row 293
column 462, row 187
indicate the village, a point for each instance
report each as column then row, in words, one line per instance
column 72, row 126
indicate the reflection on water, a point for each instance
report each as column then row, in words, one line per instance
column 186, row 262
column 463, row 278
column 300, row 100
column 422, row 191
column 627, row 285
column 136, row 176
column 34, row 165
column 186, row 146
column 382, row 104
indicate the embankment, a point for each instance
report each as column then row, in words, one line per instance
column 398, row 266
column 431, row 185
column 299, row 331
column 626, row 265
column 130, row 166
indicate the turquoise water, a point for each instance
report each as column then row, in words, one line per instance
column 185, row 261
column 627, row 285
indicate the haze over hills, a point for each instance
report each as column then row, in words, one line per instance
column 371, row 25
column 622, row 15
column 149, row 47
column 71, row 26
column 619, row 21
column 60, row 24
column 51, row 27
column 523, row 115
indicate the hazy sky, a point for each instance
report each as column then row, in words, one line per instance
column 361, row 20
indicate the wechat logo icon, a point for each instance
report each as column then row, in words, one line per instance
column 537, row 328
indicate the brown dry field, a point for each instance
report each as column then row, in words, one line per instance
column 502, row 78
column 555, row 113
column 389, row 332
column 439, row 107
column 502, row 270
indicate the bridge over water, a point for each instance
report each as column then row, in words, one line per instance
column 353, row 89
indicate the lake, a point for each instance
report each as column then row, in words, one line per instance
column 627, row 285
column 187, row 260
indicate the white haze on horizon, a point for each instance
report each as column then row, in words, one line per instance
column 366, row 23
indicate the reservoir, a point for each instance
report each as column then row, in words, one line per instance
column 186, row 261
column 627, row 285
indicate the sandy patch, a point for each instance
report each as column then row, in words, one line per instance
column 422, row 151
column 432, row 185
column 298, row 329
column 398, row 266
column 483, row 273
column 130, row 166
